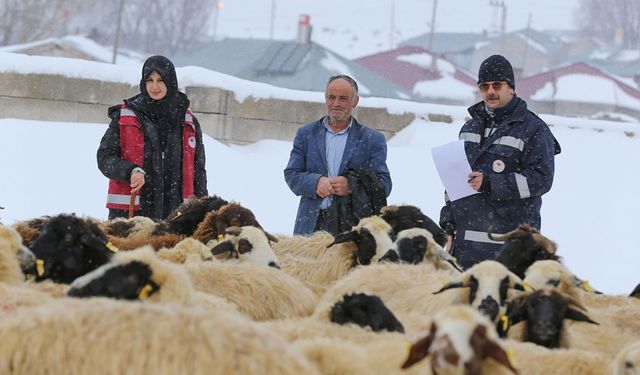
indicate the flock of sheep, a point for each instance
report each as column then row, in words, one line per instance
column 209, row 291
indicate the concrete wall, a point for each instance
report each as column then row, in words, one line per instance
column 57, row 98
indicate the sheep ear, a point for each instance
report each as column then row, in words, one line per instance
column 578, row 316
column 270, row 237
column 344, row 237
column 222, row 247
column 420, row 349
column 458, row 284
column 489, row 348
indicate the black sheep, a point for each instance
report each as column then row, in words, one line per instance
column 365, row 311
column 68, row 247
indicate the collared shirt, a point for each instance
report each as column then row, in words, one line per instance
column 334, row 150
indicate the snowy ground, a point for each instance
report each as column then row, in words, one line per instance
column 591, row 212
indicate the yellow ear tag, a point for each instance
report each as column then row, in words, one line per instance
column 409, row 346
column 527, row 287
column 587, row 288
column 177, row 214
column 28, row 277
column 505, row 323
column 111, row 247
column 220, row 237
column 510, row 357
column 145, row 292
column 40, row 267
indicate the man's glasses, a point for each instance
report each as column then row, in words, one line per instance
column 484, row 87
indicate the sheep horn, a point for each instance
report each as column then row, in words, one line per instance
column 452, row 285
column 344, row 237
column 503, row 237
column 270, row 237
column 578, row 316
column 222, row 247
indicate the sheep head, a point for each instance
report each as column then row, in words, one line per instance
column 489, row 283
column 552, row 274
column 544, row 312
column 406, row 217
column 185, row 219
column 627, row 362
column 69, row 247
column 416, row 245
column 129, row 281
column 248, row 244
column 215, row 223
column 366, row 311
column 373, row 237
column 459, row 341
column 523, row 246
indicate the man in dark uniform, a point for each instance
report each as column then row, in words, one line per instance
column 511, row 152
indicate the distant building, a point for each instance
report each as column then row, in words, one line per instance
column 300, row 64
column 76, row 47
column 581, row 90
column 427, row 77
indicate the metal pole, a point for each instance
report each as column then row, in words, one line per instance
column 215, row 20
column 118, row 26
column 273, row 15
column 392, row 23
column 433, row 25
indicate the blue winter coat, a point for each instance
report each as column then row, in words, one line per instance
column 516, row 155
column 366, row 148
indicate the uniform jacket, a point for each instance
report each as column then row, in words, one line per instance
column 516, row 154
column 366, row 148
column 162, row 191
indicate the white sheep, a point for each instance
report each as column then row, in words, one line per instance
column 15, row 258
column 113, row 337
column 320, row 259
column 461, row 341
column 246, row 244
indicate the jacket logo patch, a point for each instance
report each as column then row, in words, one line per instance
column 192, row 142
column 498, row 166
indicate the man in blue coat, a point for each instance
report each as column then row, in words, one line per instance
column 324, row 150
column 511, row 152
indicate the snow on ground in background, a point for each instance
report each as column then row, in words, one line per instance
column 591, row 212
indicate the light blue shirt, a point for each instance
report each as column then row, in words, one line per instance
column 334, row 149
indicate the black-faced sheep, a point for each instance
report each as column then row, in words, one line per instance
column 461, row 341
column 543, row 313
column 186, row 218
column 635, row 292
column 488, row 285
column 523, row 246
column 416, row 245
column 407, row 217
column 320, row 259
column 366, row 311
column 215, row 223
column 141, row 275
column 247, row 244
column 68, row 247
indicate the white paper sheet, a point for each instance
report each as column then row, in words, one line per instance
column 453, row 167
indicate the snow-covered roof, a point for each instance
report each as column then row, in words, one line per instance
column 87, row 47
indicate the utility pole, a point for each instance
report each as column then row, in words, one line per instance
column 273, row 15
column 433, row 25
column 434, row 62
column 526, row 46
column 219, row 5
column 392, row 26
column 118, row 27
column 503, row 19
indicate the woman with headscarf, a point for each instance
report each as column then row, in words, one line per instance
column 153, row 147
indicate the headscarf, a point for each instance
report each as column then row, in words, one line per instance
column 170, row 109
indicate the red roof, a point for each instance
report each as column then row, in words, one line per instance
column 526, row 87
column 404, row 73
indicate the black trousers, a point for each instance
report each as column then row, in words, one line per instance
column 325, row 222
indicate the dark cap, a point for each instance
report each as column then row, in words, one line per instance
column 496, row 68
